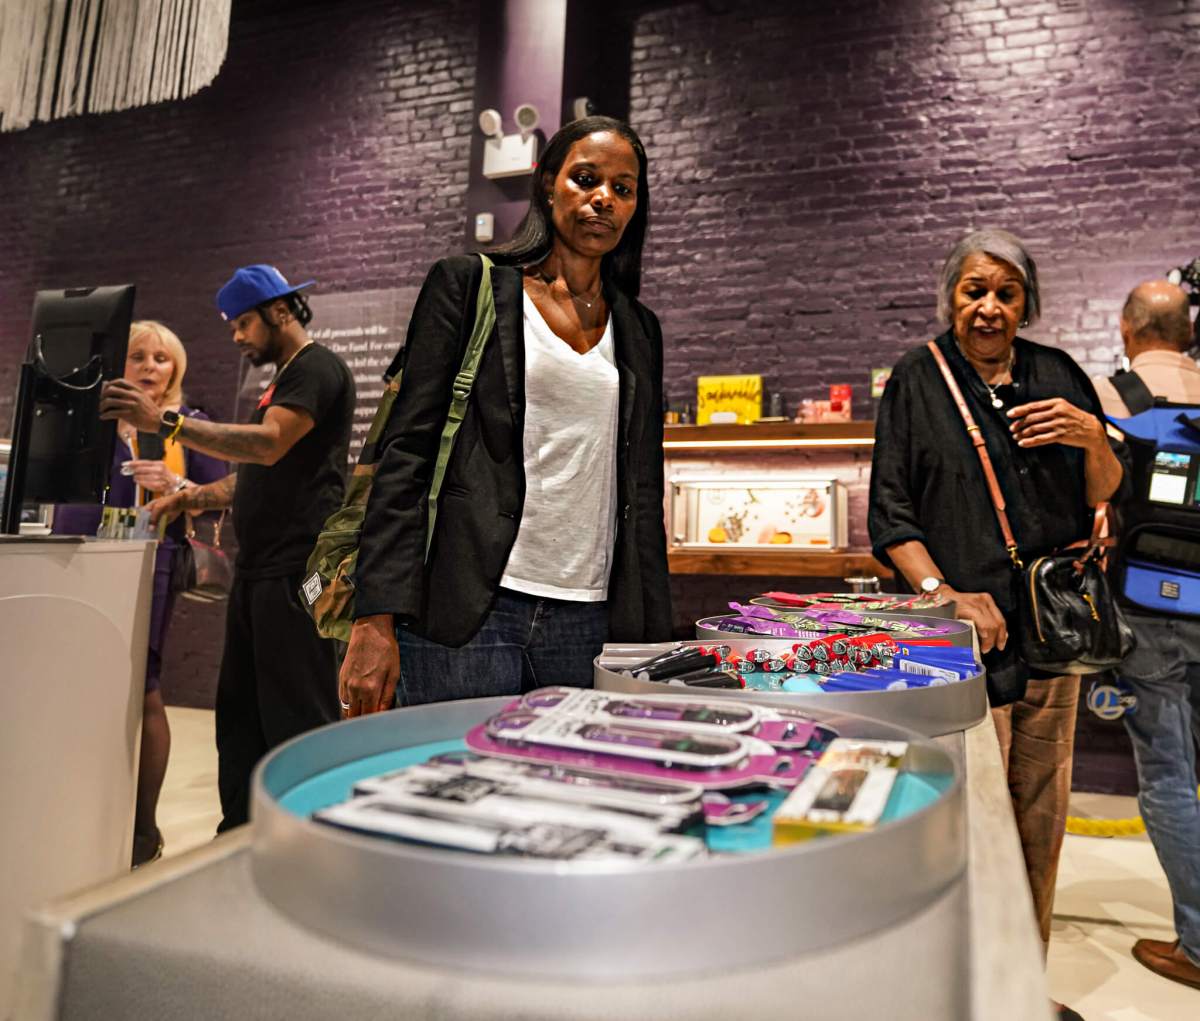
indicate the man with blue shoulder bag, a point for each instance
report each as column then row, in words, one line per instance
column 1156, row 574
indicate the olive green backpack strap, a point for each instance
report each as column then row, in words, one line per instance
column 485, row 319
column 328, row 587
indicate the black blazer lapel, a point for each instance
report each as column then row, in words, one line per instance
column 629, row 344
column 509, row 294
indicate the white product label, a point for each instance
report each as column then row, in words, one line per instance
column 927, row 669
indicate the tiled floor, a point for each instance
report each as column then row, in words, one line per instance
column 1111, row 891
column 188, row 809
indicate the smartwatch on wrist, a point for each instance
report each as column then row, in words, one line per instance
column 931, row 584
column 169, row 424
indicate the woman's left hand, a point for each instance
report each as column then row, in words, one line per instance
column 1056, row 420
column 153, row 476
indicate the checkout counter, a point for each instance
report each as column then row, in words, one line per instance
column 74, row 617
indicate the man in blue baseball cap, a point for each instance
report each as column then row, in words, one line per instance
column 278, row 676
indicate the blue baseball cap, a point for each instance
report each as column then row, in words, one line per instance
column 253, row 285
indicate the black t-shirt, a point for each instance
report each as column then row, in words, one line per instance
column 278, row 510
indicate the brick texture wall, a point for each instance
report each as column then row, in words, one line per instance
column 810, row 165
column 813, row 163
column 333, row 143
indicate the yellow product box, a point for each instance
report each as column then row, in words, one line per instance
column 845, row 791
column 738, row 395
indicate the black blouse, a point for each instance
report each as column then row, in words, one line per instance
column 927, row 483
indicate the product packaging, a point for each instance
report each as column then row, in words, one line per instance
column 778, row 726
column 878, row 679
column 841, row 399
column 565, row 836
column 714, row 760
column 847, row 790
column 469, row 778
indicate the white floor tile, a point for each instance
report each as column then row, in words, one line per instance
column 1111, row 892
column 188, row 808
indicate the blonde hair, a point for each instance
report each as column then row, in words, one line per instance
column 174, row 346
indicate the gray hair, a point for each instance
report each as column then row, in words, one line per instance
column 999, row 244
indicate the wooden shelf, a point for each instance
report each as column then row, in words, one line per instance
column 800, row 563
column 679, row 439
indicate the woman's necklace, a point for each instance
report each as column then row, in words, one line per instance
column 548, row 279
column 991, row 388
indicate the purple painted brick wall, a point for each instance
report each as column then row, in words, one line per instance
column 811, row 164
column 334, row 143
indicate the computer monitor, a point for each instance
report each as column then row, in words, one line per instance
column 61, row 451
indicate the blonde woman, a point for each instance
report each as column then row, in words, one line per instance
column 156, row 362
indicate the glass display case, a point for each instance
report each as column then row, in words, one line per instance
column 762, row 510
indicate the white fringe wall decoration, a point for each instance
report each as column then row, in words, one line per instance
column 65, row 57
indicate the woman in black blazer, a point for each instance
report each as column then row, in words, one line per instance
column 549, row 537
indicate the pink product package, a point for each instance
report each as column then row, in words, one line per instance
column 780, row 727
column 716, row 762
column 839, row 618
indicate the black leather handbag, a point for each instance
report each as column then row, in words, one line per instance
column 1070, row 622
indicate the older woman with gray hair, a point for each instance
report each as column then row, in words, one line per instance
column 931, row 516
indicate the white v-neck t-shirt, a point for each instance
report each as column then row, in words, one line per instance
column 564, row 544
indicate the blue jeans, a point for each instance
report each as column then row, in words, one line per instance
column 1164, row 673
column 525, row 642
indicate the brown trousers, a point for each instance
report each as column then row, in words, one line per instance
column 1037, row 740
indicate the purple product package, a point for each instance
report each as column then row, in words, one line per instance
column 830, row 620
column 759, row 764
column 859, row 620
column 780, row 727
column 757, row 626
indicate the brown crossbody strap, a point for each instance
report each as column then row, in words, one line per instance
column 1098, row 539
column 976, row 435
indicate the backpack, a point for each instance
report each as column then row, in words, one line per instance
column 328, row 588
column 1156, row 569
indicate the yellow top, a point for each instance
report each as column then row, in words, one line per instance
column 172, row 458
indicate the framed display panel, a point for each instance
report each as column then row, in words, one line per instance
column 538, row 919
column 932, row 711
column 746, row 511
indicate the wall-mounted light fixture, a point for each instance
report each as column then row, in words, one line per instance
column 527, row 118
column 509, row 155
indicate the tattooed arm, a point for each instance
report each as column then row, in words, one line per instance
column 215, row 496
column 264, row 443
column 194, row 499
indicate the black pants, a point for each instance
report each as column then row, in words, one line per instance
column 278, row 679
